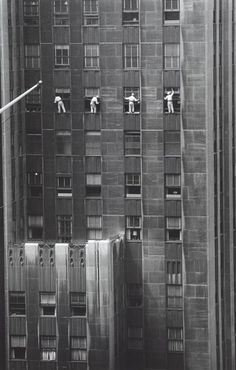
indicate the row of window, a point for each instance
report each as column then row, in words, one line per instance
column 47, row 304
column 91, row 12
column 48, row 348
column 33, row 100
column 91, row 56
column 94, row 228
column 78, row 345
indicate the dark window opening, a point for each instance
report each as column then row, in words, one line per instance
column 18, row 347
column 35, row 188
column 48, row 304
column 16, row 303
column 64, row 186
column 78, row 304
column 133, row 186
column 171, row 11
column 89, row 94
column 63, row 142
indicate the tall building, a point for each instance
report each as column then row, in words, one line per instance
column 157, row 167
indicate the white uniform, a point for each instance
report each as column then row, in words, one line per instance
column 60, row 104
column 94, row 101
column 169, row 98
column 131, row 100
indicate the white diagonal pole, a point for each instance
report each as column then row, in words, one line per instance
column 8, row 105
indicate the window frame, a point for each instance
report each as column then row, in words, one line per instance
column 64, row 228
column 90, row 149
column 32, row 56
column 79, row 305
column 35, row 184
column 79, row 348
column 134, row 150
column 133, row 228
column 17, row 308
column 127, row 92
column 21, row 349
column 63, row 143
column 94, row 227
column 36, row 222
column 93, row 188
column 45, row 350
column 172, row 187
column 172, row 58
column 131, row 183
column 130, row 14
column 175, row 339
column 64, row 189
column 90, row 17
column 61, row 61
column 173, row 232
column 47, row 309
column 131, row 58
column 171, row 11
column 91, row 61
column 175, row 99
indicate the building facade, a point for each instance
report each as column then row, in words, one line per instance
column 157, row 166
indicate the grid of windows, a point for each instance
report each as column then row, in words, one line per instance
column 131, row 56
column 48, row 348
column 94, row 227
column 78, row 348
column 64, row 186
column 47, row 304
column 91, row 56
column 16, row 303
column 18, row 347
column 64, row 228
column 173, row 228
column 132, row 143
column 62, row 56
column 171, row 56
column 175, row 339
column 132, row 185
column 133, row 228
column 78, row 304
column 32, row 56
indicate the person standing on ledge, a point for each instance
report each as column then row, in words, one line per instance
column 60, row 104
column 131, row 99
column 169, row 98
column 93, row 104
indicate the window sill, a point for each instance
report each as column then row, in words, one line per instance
column 132, row 113
column 87, row 112
column 91, row 69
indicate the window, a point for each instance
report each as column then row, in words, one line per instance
column 171, row 11
column 130, row 11
column 172, row 143
column 62, row 58
column 94, row 227
column 93, row 185
column 48, row 348
column 128, row 91
column 65, row 96
column 64, row 187
column 172, row 186
column 132, row 143
column 89, row 94
column 91, row 56
column 134, row 295
column 173, row 228
column 175, row 99
column 174, row 273
column 64, row 228
column 132, row 185
column 32, row 56
column 35, row 227
column 174, row 296
column 35, row 188
column 171, row 56
column 33, row 101
column 31, row 7
column 133, row 228
column 63, row 142
column 135, row 338
column 93, row 143
column 61, row 12
column 91, row 12
column 16, row 303
column 78, row 348
column 131, row 56
column 18, row 347
column 175, row 339
column 47, row 304
column 78, row 304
